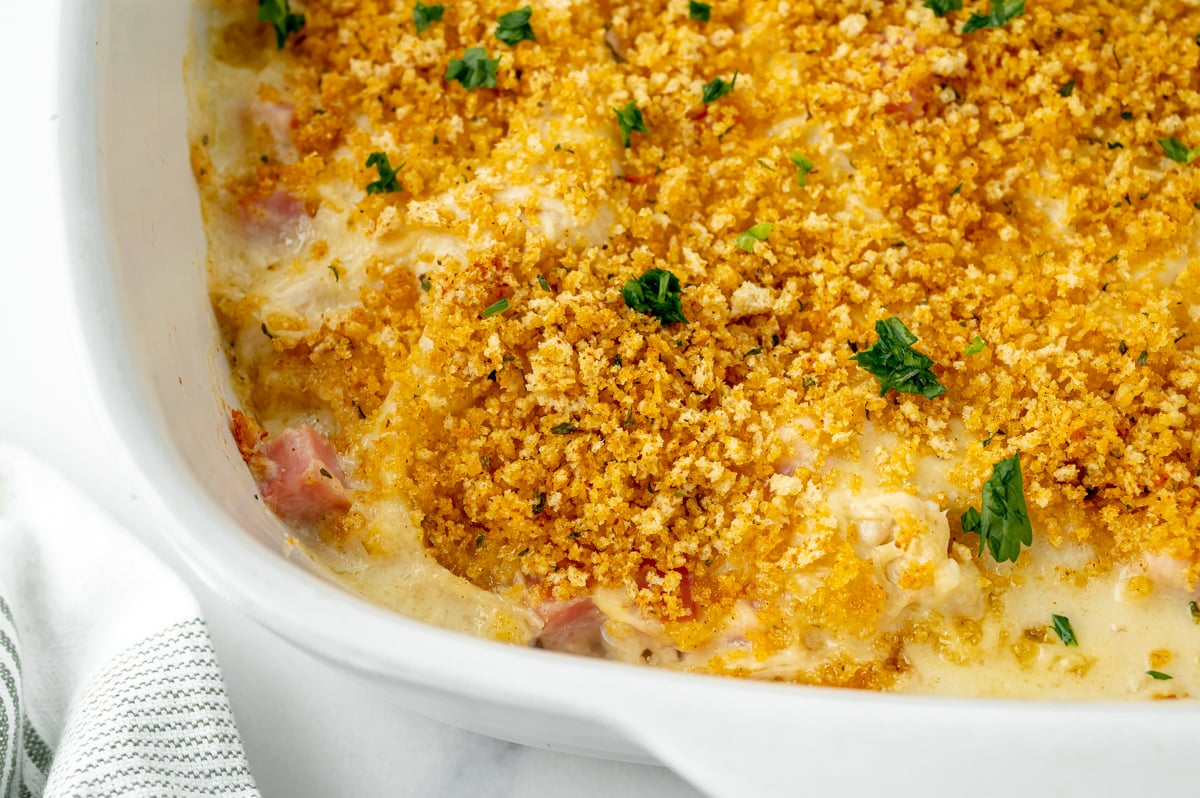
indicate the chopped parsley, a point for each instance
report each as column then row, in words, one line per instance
column 426, row 283
column 1177, row 151
column 752, row 352
column 954, row 191
column 281, row 17
column 1000, row 14
column 474, row 70
column 479, row 542
column 496, row 308
column 699, row 12
column 1067, row 89
column 387, row 182
column 656, row 293
column 716, row 88
column 941, row 8
column 1194, row 609
column 424, row 16
column 976, row 346
column 265, row 331
column 539, row 505
column 1003, row 526
column 630, row 119
column 544, row 283
column 337, row 277
column 565, row 428
column 325, row 473
column 513, row 28
column 1143, row 357
column 1062, row 628
column 1159, row 676
column 803, row 167
column 751, row 237
column 896, row 364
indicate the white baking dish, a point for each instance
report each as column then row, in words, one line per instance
column 138, row 250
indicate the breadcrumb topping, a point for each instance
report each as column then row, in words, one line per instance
column 568, row 443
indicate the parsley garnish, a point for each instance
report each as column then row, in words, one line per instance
column 752, row 352
column 1003, row 526
column 803, row 167
column 956, row 189
column 280, row 15
column 426, row 283
column 1067, row 89
column 1159, row 676
column 1062, row 627
column 976, row 346
column 387, row 182
column 265, row 331
column 896, row 364
column 1000, row 14
column 565, row 428
column 699, row 12
column 1177, row 151
column 424, row 16
column 716, row 88
column 543, row 282
column 474, row 70
column 758, row 232
column 496, row 308
column 630, row 119
column 325, row 473
column 941, row 8
column 656, row 293
column 1194, row 609
column 337, row 277
column 479, row 542
column 540, row 504
column 513, row 28
column 1143, row 357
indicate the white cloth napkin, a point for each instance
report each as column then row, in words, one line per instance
column 109, row 685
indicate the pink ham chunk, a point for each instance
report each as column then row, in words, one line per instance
column 572, row 626
column 271, row 217
column 299, row 476
column 275, row 121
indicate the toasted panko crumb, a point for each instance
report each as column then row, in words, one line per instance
column 569, row 443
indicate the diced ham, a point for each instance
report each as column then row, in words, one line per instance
column 299, row 477
column 272, row 216
column 275, row 120
column 573, row 626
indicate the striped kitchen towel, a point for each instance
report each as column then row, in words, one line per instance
column 108, row 681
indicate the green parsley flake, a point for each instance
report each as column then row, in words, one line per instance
column 474, row 70
column 976, row 346
column 1194, row 609
column 630, row 119
column 1003, row 526
column 496, row 308
column 716, row 88
column 1177, row 151
column 424, row 16
column 543, row 282
column 751, row 237
column 656, row 293
column 1067, row 89
column 513, row 28
column 803, row 167
column 387, row 182
column 941, row 8
column 281, row 17
column 565, row 428
column 896, row 364
column 1159, row 676
column 1062, row 627
column 1000, row 14
column 699, row 12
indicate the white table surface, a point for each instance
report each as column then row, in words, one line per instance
column 308, row 730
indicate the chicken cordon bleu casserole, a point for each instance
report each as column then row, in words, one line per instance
column 841, row 342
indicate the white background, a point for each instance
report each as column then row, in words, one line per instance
column 308, row 730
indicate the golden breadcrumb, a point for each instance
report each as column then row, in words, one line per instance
column 1007, row 185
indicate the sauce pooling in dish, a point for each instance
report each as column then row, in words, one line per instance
column 845, row 344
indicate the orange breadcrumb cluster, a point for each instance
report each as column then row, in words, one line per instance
column 568, row 442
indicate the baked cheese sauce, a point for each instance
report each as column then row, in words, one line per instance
column 450, row 394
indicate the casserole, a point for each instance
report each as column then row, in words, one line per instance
column 137, row 250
